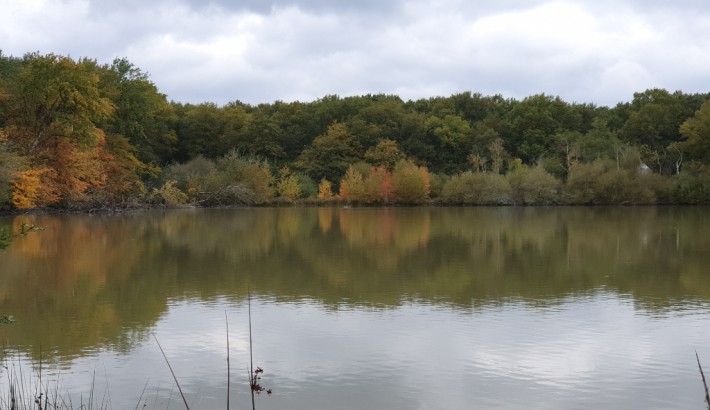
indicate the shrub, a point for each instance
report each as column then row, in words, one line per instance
column 410, row 183
column 191, row 177
column 234, row 194
column 474, row 188
column 533, row 186
column 582, row 181
column 309, row 189
column 690, row 187
column 601, row 182
column 169, row 194
column 236, row 170
column 436, row 182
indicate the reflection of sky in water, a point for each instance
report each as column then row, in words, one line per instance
column 593, row 351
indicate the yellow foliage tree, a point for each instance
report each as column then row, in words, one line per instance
column 288, row 186
column 385, row 153
column 28, row 191
column 410, row 183
column 75, row 170
column 10, row 163
column 325, row 190
column 352, row 186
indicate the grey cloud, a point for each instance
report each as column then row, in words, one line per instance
column 261, row 51
column 258, row 6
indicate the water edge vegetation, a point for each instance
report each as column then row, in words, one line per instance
column 76, row 134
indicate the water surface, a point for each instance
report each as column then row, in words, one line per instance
column 411, row 308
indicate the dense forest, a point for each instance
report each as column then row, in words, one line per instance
column 76, row 134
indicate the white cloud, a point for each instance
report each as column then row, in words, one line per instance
column 217, row 51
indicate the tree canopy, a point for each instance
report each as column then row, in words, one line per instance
column 78, row 134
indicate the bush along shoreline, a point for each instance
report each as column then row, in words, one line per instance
column 238, row 181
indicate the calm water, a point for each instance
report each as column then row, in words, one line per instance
column 421, row 308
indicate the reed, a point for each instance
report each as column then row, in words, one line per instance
column 172, row 372
column 34, row 392
column 141, row 396
column 252, row 376
column 705, row 384
column 226, row 322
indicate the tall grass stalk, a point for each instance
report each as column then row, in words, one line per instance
column 251, row 353
column 142, row 393
column 108, row 390
column 23, row 393
column 226, row 322
column 705, row 384
column 172, row 372
column 27, row 392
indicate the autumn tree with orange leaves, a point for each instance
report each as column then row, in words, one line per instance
column 53, row 109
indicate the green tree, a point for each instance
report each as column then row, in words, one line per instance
column 696, row 131
column 654, row 118
column 454, row 140
column 56, row 98
column 201, row 131
column 142, row 114
column 380, row 118
column 599, row 142
column 298, row 124
column 531, row 125
column 569, row 147
column 10, row 164
column 262, row 137
column 330, row 154
column 482, row 136
column 385, row 153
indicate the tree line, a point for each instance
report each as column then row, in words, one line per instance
column 76, row 134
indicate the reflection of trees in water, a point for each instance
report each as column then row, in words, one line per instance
column 60, row 284
column 386, row 235
column 85, row 280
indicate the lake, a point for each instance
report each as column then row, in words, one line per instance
column 353, row 308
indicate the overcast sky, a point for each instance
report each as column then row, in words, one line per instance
column 260, row 51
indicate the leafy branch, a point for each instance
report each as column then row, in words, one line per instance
column 6, row 234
